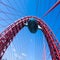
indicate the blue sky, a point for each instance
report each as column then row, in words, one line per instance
column 28, row 46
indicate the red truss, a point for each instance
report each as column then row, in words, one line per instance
column 6, row 37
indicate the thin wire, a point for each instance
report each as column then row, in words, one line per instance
column 6, row 13
column 17, row 12
column 57, row 3
column 21, row 5
column 7, row 5
column 1, row 11
column 47, row 6
column 54, row 25
column 9, row 13
column 4, row 20
column 24, row 7
column 1, row 26
column 44, row 49
column 37, row 6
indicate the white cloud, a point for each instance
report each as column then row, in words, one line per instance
column 20, row 56
column 23, row 54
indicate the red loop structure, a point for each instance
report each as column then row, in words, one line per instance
column 6, row 37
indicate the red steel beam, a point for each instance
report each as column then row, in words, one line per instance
column 57, row 3
column 6, row 37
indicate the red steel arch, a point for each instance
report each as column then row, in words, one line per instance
column 6, row 37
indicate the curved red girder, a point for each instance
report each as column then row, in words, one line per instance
column 57, row 3
column 6, row 37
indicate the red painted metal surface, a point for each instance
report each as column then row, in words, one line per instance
column 6, row 37
column 57, row 3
